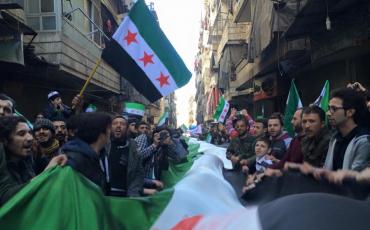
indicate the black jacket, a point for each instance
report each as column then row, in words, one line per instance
column 8, row 186
column 52, row 113
column 85, row 160
column 133, row 183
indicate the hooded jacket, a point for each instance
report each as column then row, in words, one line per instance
column 357, row 154
column 280, row 145
column 85, row 160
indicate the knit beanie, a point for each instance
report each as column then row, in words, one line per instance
column 43, row 123
column 52, row 95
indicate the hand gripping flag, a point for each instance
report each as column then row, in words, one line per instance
column 143, row 55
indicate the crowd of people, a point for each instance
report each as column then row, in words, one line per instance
column 328, row 147
column 125, row 156
column 119, row 153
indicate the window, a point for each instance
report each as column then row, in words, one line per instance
column 94, row 15
column 41, row 15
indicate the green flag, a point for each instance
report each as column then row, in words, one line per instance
column 60, row 198
column 133, row 108
column 323, row 100
column 221, row 110
column 293, row 102
column 163, row 119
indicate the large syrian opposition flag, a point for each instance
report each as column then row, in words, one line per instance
column 221, row 110
column 143, row 55
column 61, row 198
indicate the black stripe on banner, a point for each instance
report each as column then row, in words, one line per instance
column 121, row 61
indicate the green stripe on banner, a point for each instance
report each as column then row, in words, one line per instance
column 60, row 198
column 157, row 40
column 130, row 105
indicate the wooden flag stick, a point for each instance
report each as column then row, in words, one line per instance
column 90, row 77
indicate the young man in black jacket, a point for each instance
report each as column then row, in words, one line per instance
column 126, row 172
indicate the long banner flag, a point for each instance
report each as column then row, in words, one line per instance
column 143, row 55
column 61, row 198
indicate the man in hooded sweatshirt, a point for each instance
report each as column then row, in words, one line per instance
column 92, row 135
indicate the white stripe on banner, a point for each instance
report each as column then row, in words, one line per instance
column 202, row 191
column 136, row 51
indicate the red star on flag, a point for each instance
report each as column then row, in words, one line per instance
column 130, row 37
column 163, row 80
column 225, row 110
column 222, row 117
column 147, row 59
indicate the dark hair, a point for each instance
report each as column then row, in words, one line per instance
column 277, row 116
column 240, row 118
column 141, row 123
column 5, row 97
column 264, row 139
column 352, row 100
column 263, row 121
column 7, row 126
column 90, row 125
column 316, row 110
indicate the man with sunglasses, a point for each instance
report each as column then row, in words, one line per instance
column 349, row 148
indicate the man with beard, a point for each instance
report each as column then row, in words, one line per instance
column 132, row 130
column 125, row 169
column 294, row 153
column 46, row 145
column 315, row 143
column 147, row 150
column 16, row 144
column 61, row 133
column 279, row 138
column 240, row 150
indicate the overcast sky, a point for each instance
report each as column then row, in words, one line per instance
column 180, row 21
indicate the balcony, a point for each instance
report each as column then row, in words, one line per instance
column 242, row 11
column 11, row 4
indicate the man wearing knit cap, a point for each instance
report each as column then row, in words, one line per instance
column 57, row 110
column 46, row 146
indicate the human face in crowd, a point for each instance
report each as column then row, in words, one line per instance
column 241, row 127
column 143, row 129
column 297, row 121
column 274, row 127
column 20, row 141
column 119, row 128
column 337, row 115
column 6, row 108
column 258, row 129
column 60, row 130
column 57, row 101
column 312, row 124
column 132, row 127
column 43, row 135
column 261, row 148
column 39, row 116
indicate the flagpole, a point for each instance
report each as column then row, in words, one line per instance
column 90, row 77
